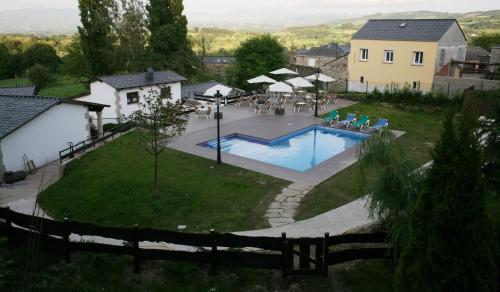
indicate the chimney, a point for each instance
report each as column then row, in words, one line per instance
column 150, row 74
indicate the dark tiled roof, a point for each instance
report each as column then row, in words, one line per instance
column 217, row 60
column 189, row 91
column 426, row 30
column 474, row 53
column 330, row 50
column 15, row 111
column 21, row 90
column 139, row 79
column 198, row 88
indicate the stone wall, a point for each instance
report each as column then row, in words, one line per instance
column 336, row 69
column 452, row 86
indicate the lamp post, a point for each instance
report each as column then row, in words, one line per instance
column 318, row 71
column 218, row 96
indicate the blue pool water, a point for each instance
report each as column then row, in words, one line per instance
column 301, row 150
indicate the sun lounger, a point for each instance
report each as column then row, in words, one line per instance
column 381, row 124
column 348, row 120
column 331, row 117
column 363, row 121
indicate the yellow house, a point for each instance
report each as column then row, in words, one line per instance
column 390, row 53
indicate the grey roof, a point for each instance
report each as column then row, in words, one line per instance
column 17, row 110
column 474, row 53
column 330, row 50
column 127, row 81
column 426, row 30
column 199, row 88
column 189, row 91
column 219, row 60
column 20, row 90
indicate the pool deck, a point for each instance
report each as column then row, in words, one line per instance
column 241, row 120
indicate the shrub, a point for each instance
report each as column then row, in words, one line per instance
column 40, row 75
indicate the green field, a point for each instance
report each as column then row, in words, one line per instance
column 422, row 127
column 112, row 186
column 61, row 86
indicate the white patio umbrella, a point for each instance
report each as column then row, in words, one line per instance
column 280, row 87
column 261, row 79
column 284, row 71
column 322, row 78
column 299, row 82
column 224, row 90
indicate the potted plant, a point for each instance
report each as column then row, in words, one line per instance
column 280, row 108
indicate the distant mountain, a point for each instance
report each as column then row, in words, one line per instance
column 418, row 14
column 41, row 21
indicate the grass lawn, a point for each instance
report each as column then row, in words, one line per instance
column 422, row 129
column 112, row 186
column 61, row 86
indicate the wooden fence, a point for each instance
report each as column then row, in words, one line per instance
column 293, row 256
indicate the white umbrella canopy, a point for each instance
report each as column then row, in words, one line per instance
column 300, row 82
column 284, row 71
column 261, row 79
column 322, row 78
column 224, row 90
column 281, row 87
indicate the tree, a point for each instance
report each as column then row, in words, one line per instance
column 42, row 54
column 161, row 119
column 169, row 46
column 129, row 26
column 5, row 60
column 256, row 56
column 40, row 75
column 74, row 62
column 486, row 40
column 96, row 35
column 204, row 43
column 452, row 245
column 395, row 187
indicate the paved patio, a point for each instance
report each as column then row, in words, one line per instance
column 242, row 120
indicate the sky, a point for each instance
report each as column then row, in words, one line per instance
column 266, row 10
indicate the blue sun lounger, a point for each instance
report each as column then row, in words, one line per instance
column 381, row 124
column 348, row 120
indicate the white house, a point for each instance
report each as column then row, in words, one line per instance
column 37, row 128
column 123, row 92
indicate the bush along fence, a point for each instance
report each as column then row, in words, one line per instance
column 293, row 256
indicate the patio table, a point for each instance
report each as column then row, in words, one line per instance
column 299, row 104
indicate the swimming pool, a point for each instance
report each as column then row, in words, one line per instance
column 300, row 150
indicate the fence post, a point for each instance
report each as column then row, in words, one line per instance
column 283, row 254
column 137, row 267
column 213, row 269
column 67, row 243
column 448, row 94
column 10, row 231
column 325, row 255
column 366, row 87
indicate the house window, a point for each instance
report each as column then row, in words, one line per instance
column 363, row 54
column 165, row 92
column 311, row 62
column 362, row 79
column 418, row 58
column 416, row 85
column 132, row 97
column 389, row 56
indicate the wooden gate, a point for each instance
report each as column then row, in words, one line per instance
column 305, row 256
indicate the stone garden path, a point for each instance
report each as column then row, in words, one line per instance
column 282, row 210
